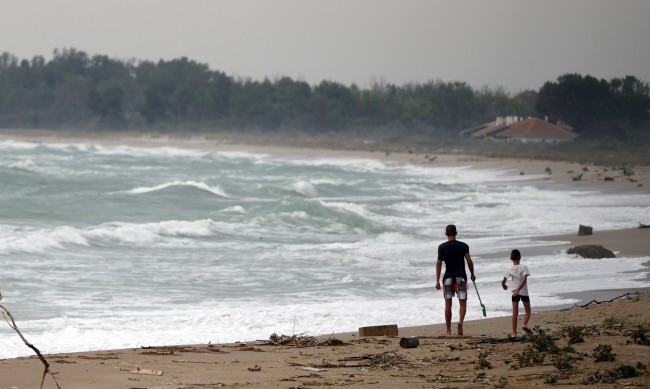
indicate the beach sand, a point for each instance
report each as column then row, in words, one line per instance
column 483, row 357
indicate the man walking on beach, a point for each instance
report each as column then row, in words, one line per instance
column 454, row 253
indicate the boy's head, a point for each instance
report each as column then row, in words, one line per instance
column 515, row 255
column 450, row 230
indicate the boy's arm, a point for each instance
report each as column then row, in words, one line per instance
column 503, row 283
column 521, row 285
column 470, row 265
column 438, row 270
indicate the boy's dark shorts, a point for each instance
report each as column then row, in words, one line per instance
column 518, row 298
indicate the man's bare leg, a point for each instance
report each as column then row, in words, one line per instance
column 448, row 315
column 461, row 312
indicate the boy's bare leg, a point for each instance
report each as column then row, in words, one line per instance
column 461, row 313
column 448, row 315
column 515, row 314
column 526, row 316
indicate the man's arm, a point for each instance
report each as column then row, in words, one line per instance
column 470, row 265
column 438, row 270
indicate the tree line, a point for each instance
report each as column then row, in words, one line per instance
column 75, row 90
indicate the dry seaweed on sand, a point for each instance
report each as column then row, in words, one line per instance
column 301, row 340
column 385, row 360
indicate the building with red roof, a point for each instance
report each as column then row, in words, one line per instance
column 513, row 128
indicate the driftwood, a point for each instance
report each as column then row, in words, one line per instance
column 585, row 230
column 629, row 294
column 301, row 340
column 12, row 323
column 382, row 330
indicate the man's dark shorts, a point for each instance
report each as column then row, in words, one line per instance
column 518, row 298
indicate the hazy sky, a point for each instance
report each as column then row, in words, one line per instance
column 516, row 44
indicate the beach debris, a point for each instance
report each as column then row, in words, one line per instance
column 628, row 172
column 12, row 323
column 641, row 225
column 585, row 230
column 591, row 251
column 548, row 170
column 100, row 356
column 384, row 360
column 174, row 350
column 314, row 369
column 585, row 169
column 628, row 295
column 301, row 340
column 577, row 177
column 608, row 178
column 255, row 368
column 139, row 370
column 382, row 330
column 410, row 342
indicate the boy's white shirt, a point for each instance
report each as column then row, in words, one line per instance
column 516, row 273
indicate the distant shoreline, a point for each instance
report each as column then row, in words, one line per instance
column 592, row 176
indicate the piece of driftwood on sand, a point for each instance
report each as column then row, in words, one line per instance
column 12, row 323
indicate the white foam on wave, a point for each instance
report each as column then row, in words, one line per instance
column 42, row 240
column 16, row 145
column 217, row 190
column 234, row 209
column 305, row 188
column 37, row 241
column 346, row 164
column 26, row 165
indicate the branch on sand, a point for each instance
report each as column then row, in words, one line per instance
column 12, row 323
column 631, row 295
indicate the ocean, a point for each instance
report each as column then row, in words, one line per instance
column 119, row 247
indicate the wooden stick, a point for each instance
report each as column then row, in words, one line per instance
column 12, row 323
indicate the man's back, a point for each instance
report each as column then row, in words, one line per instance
column 453, row 253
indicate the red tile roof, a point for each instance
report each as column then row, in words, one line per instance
column 537, row 128
column 489, row 129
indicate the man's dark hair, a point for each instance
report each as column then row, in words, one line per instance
column 450, row 230
column 515, row 254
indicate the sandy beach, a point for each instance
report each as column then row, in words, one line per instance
column 483, row 357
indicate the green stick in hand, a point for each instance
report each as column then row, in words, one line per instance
column 479, row 299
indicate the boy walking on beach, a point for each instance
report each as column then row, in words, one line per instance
column 519, row 275
column 454, row 253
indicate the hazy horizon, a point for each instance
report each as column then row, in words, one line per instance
column 512, row 44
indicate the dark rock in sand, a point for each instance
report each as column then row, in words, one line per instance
column 591, row 251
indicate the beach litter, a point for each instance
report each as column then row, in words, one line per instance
column 138, row 370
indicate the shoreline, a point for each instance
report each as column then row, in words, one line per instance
column 544, row 172
column 105, row 370
column 485, row 356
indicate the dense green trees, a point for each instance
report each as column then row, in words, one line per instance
column 74, row 90
column 619, row 108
